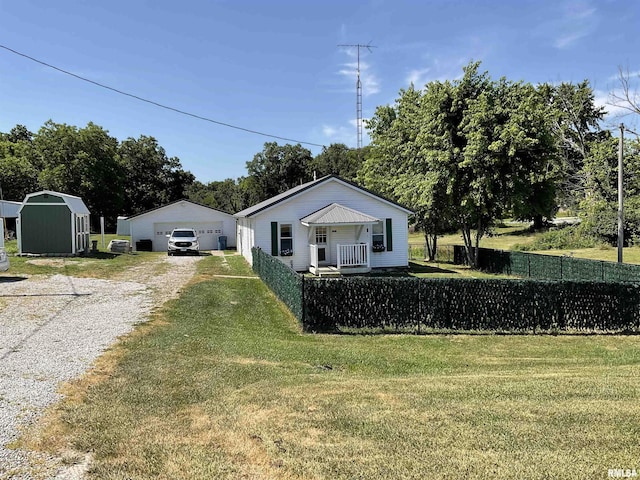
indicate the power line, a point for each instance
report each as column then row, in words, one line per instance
column 166, row 107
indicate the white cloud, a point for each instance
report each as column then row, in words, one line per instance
column 345, row 133
column 418, row 77
column 575, row 20
column 437, row 69
column 626, row 73
column 615, row 113
column 566, row 41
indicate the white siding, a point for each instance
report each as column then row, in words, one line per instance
column 182, row 214
column 317, row 197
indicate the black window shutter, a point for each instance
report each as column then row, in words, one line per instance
column 274, row 239
column 389, row 236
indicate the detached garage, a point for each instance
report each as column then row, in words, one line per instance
column 53, row 223
column 156, row 224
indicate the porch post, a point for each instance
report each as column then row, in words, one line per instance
column 366, row 253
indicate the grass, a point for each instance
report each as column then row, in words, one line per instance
column 222, row 384
column 502, row 237
column 101, row 264
column 508, row 236
column 609, row 254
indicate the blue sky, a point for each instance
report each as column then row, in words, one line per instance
column 275, row 67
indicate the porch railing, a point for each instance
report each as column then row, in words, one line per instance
column 353, row 255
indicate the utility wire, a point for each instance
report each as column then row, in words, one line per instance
column 166, row 107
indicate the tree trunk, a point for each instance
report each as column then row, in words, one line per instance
column 468, row 246
column 537, row 222
column 431, row 241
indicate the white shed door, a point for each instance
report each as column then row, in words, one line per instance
column 208, row 234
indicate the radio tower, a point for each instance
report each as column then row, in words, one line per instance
column 358, row 46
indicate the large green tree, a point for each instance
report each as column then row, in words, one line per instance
column 398, row 167
column 18, row 175
column 471, row 150
column 338, row 159
column 278, row 168
column 152, row 178
column 599, row 207
column 576, row 124
column 82, row 162
column 224, row 195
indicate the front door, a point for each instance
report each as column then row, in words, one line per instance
column 321, row 243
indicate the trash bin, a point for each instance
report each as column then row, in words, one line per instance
column 94, row 246
column 222, row 242
column 144, row 246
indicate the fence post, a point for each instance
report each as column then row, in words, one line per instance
column 303, row 303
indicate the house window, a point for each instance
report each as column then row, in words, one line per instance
column 377, row 237
column 286, row 240
column 321, row 235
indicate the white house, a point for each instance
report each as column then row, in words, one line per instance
column 156, row 224
column 327, row 224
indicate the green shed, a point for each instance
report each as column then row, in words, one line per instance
column 53, row 223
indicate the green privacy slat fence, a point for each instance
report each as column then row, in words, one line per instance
column 470, row 304
column 282, row 280
column 417, row 304
column 549, row 267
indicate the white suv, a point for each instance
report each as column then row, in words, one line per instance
column 183, row 240
column 4, row 258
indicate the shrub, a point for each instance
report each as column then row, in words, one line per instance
column 565, row 238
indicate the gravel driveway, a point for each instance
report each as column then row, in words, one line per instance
column 53, row 327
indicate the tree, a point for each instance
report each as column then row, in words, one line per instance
column 471, row 150
column 576, row 126
column 82, row 162
column 152, row 178
column 627, row 97
column 279, row 168
column 337, row 159
column 18, row 176
column 397, row 166
column 223, row 195
column 600, row 206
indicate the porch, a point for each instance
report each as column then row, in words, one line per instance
column 351, row 259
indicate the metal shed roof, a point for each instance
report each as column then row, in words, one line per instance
column 75, row 204
column 336, row 214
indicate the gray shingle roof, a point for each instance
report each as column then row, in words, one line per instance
column 336, row 214
column 259, row 207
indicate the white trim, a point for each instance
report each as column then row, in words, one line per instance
column 384, row 235
column 354, row 224
column 293, row 237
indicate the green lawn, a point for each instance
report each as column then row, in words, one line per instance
column 610, row 254
column 506, row 237
column 503, row 238
column 223, row 384
column 101, row 264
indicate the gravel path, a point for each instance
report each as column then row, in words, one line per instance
column 52, row 328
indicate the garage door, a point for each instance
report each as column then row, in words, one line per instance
column 208, row 234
